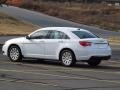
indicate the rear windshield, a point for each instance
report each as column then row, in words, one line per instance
column 83, row 34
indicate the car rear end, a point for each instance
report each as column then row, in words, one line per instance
column 98, row 49
column 90, row 46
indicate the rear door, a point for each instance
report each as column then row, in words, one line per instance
column 55, row 41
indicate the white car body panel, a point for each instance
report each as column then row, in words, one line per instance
column 50, row 48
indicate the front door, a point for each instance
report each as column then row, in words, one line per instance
column 35, row 46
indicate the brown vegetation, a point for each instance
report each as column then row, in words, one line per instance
column 14, row 2
column 12, row 26
column 100, row 15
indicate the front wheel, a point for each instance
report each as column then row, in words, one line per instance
column 14, row 54
column 67, row 58
column 94, row 62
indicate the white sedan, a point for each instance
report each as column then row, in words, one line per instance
column 66, row 44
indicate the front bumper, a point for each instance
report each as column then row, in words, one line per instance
column 4, row 50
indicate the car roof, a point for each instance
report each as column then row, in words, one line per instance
column 66, row 30
column 63, row 29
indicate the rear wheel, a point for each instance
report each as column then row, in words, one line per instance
column 94, row 62
column 14, row 53
column 67, row 58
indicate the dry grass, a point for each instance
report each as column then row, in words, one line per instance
column 100, row 15
column 114, row 40
column 12, row 26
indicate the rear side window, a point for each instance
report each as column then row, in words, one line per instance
column 58, row 35
column 83, row 34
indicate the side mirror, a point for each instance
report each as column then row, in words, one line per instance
column 28, row 37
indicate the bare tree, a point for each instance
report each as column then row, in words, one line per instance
column 2, row 2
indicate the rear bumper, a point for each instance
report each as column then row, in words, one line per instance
column 101, row 57
column 103, row 54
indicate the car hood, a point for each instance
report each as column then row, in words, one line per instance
column 16, row 40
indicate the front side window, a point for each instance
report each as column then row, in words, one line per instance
column 84, row 34
column 40, row 35
column 58, row 35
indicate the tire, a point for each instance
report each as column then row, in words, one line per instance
column 15, row 54
column 40, row 60
column 94, row 62
column 67, row 58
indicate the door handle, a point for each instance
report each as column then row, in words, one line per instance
column 60, row 41
column 42, row 41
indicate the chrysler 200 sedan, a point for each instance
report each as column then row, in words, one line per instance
column 66, row 44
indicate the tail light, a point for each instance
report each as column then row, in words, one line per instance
column 85, row 43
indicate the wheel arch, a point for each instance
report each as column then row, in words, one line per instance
column 13, row 45
column 66, row 49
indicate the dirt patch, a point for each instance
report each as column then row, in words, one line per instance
column 12, row 26
column 115, row 40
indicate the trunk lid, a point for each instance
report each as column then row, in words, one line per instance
column 97, row 43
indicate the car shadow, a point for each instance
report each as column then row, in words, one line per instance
column 76, row 66
column 99, row 67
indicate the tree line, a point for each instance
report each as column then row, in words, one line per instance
column 86, row 1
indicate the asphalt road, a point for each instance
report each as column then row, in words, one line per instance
column 45, row 20
column 47, row 75
column 50, row 75
column 31, row 74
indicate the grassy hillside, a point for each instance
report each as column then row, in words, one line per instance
column 100, row 15
column 12, row 26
